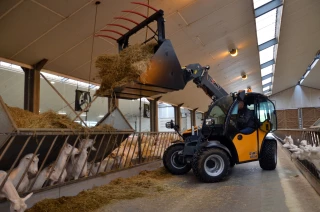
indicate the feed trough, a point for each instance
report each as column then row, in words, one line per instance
column 16, row 142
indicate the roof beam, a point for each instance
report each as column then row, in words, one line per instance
column 266, row 64
column 268, row 44
column 267, row 7
column 267, row 76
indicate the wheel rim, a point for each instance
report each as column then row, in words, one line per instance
column 275, row 156
column 176, row 163
column 214, row 165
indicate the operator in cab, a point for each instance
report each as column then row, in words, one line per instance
column 245, row 119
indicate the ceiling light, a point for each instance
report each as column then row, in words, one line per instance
column 234, row 52
column 62, row 113
column 314, row 63
column 244, row 75
column 52, row 82
column 100, row 116
column 306, row 74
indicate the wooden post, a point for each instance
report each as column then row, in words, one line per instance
column 177, row 115
column 193, row 117
column 154, row 114
column 32, row 87
column 112, row 103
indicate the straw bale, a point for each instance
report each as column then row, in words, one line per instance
column 123, row 68
column 144, row 184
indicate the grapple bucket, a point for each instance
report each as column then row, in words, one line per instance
column 164, row 74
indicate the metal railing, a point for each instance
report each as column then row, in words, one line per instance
column 113, row 151
column 312, row 136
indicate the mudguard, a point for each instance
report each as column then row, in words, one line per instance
column 216, row 144
column 177, row 141
column 269, row 137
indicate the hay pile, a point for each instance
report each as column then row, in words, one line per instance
column 123, row 68
column 49, row 119
column 144, row 184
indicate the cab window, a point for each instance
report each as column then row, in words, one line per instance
column 217, row 115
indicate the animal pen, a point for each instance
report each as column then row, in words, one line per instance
column 312, row 137
column 114, row 150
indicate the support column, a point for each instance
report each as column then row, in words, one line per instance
column 300, row 118
column 177, row 115
column 112, row 102
column 193, row 117
column 32, row 87
column 154, row 114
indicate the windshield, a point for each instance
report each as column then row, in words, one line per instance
column 218, row 111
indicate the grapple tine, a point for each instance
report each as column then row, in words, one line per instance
column 106, row 36
column 134, row 12
column 127, row 19
column 119, row 25
column 109, row 30
column 144, row 4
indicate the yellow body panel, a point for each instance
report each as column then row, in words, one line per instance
column 247, row 147
column 190, row 130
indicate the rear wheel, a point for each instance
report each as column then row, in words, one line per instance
column 268, row 160
column 172, row 161
column 211, row 165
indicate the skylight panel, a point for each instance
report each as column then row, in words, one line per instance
column 266, row 19
column 266, row 81
column 259, row 3
column 266, row 88
column 266, row 55
column 266, row 71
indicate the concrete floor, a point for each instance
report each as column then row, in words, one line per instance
column 248, row 188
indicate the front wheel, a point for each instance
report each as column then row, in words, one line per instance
column 268, row 159
column 172, row 161
column 211, row 165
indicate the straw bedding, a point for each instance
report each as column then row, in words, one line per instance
column 123, row 68
column 49, row 119
column 142, row 185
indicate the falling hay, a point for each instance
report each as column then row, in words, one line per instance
column 138, row 186
column 123, row 68
column 49, row 119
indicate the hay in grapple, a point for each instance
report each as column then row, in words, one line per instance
column 146, row 183
column 126, row 67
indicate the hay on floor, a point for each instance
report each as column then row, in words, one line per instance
column 126, row 67
column 138, row 186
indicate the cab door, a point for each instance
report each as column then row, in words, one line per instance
column 267, row 119
column 246, row 144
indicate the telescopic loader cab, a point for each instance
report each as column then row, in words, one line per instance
column 211, row 150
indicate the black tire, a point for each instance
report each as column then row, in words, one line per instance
column 268, row 159
column 203, row 158
column 171, row 161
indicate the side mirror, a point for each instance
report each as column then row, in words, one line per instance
column 170, row 125
column 210, row 122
